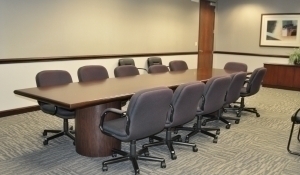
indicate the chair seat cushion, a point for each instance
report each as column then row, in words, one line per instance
column 296, row 117
column 61, row 112
column 116, row 128
column 244, row 92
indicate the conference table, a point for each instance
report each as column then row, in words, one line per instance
column 90, row 99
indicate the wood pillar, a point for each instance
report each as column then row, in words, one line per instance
column 206, row 35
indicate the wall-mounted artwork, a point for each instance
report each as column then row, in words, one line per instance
column 280, row 30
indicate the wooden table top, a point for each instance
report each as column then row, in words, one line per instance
column 84, row 94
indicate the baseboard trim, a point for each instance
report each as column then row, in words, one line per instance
column 19, row 111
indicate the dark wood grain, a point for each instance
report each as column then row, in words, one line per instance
column 251, row 54
column 206, row 34
column 85, row 94
column 90, row 141
column 282, row 76
column 88, row 57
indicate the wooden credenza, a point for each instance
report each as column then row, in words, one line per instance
column 282, row 76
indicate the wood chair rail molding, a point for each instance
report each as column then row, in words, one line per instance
column 89, row 57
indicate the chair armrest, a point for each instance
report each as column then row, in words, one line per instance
column 109, row 110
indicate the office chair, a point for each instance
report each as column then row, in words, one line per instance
column 178, row 65
column 211, row 101
column 128, row 61
column 158, row 69
column 236, row 66
column 232, row 95
column 49, row 78
column 296, row 120
column 92, row 73
column 251, row 88
column 126, row 70
column 145, row 116
column 154, row 61
column 182, row 110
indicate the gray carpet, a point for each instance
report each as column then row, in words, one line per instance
column 256, row 146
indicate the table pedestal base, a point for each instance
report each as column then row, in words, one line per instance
column 89, row 140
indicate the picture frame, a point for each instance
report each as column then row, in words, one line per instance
column 280, row 30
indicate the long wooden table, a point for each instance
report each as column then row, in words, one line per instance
column 89, row 99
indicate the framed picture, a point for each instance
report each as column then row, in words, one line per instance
column 280, row 30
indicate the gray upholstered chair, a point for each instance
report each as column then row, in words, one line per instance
column 158, row 69
column 49, row 78
column 296, row 120
column 128, row 61
column 212, row 101
column 154, row 61
column 182, row 110
column 236, row 66
column 126, row 70
column 178, row 65
column 92, row 73
column 232, row 95
column 251, row 88
column 145, row 116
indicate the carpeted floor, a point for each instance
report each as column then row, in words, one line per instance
column 256, row 146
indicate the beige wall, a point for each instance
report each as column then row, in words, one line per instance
column 35, row 28
column 238, row 24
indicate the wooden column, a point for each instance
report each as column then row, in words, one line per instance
column 206, row 35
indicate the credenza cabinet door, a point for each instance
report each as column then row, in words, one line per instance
column 271, row 75
column 297, row 78
column 285, row 76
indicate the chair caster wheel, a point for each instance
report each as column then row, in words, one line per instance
column 218, row 132
column 215, row 139
column 187, row 140
column 195, row 149
column 163, row 164
column 203, row 123
column 150, row 140
column 45, row 142
column 44, row 133
column 173, row 156
column 104, row 168
column 113, row 155
column 137, row 171
column 228, row 126
column 257, row 115
column 237, row 122
column 147, row 154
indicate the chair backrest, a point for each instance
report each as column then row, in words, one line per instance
column 236, row 83
column 255, row 80
column 125, row 71
column 184, row 103
column 154, row 61
column 92, row 73
column 158, row 69
column 178, row 65
column 147, row 112
column 236, row 66
column 52, row 78
column 214, row 94
column 126, row 61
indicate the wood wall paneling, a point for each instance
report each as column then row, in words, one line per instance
column 206, row 34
